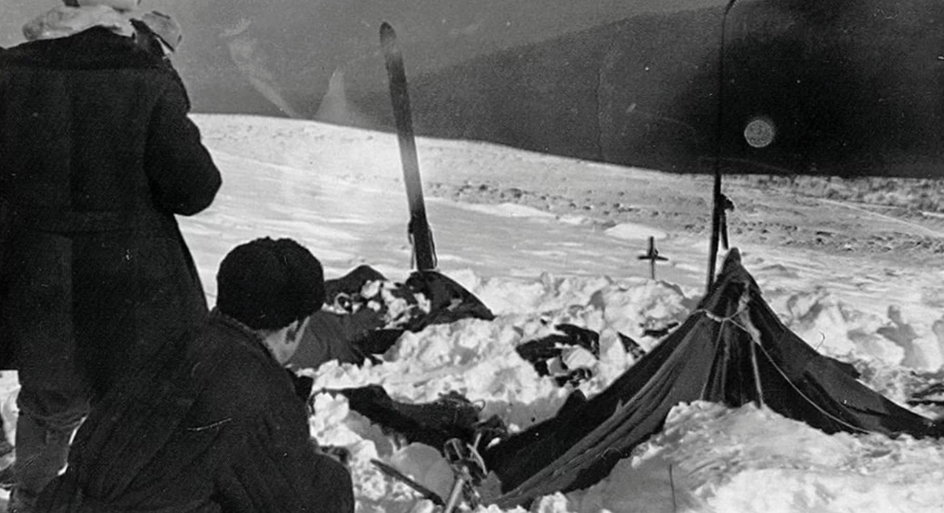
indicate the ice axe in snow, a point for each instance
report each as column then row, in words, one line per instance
column 421, row 237
column 652, row 256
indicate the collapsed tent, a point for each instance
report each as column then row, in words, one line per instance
column 733, row 350
column 365, row 314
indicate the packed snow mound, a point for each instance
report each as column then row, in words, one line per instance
column 633, row 231
column 478, row 359
column 843, row 329
column 835, row 329
column 710, row 458
column 855, row 311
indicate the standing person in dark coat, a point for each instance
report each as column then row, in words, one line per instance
column 214, row 424
column 97, row 155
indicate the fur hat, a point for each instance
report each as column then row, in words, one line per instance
column 117, row 16
column 267, row 284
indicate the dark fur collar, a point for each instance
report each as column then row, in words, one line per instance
column 248, row 333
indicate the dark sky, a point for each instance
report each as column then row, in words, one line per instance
column 292, row 47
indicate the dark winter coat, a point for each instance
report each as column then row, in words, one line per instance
column 96, row 156
column 213, row 425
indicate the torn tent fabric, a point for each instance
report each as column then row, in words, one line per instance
column 733, row 350
column 365, row 314
column 448, row 301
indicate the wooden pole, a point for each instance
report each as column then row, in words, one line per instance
column 716, row 201
column 716, row 213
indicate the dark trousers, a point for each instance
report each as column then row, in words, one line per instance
column 37, row 320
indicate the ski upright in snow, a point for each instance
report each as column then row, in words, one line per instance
column 424, row 252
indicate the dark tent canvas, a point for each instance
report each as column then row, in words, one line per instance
column 732, row 350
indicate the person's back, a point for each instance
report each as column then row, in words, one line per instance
column 213, row 423
column 83, row 133
column 97, row 155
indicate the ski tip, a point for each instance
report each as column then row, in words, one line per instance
column 386, row 31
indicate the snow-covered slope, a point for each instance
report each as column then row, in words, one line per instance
column 339, row 190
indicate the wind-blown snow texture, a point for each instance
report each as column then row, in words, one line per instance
column 339, row 191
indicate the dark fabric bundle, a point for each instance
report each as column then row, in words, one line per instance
column 450, row 416
column 540, row 351
column 353, row 327
column 449, row 301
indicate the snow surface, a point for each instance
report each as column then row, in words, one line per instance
column 339, row 191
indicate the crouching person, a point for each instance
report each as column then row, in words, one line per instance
column 213, row 423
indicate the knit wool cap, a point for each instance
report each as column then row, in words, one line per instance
column 267, row 284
